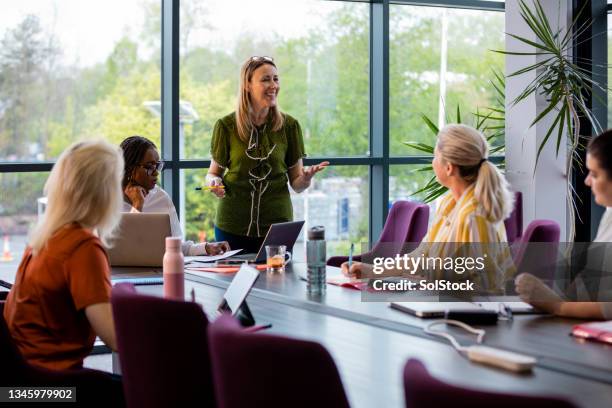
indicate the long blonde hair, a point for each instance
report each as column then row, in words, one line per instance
column 84, row 187
column 467, row 148
column 243, row 107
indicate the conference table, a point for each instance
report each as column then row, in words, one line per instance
column 370, row 342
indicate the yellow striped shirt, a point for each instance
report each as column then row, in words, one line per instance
column 464, row 221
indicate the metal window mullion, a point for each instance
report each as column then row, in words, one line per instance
column 594, row 47
column 461, row 4
column 170, row 99
column 379, row 116
column 8, row 167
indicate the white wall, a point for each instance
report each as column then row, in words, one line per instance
column 544, row 192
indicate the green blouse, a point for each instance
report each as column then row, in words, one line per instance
column 256, row 192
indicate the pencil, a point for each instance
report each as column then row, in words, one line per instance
column 209, row 188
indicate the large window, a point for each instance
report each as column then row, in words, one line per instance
column 19, row 208
column 337, row 199
column 321, row 49
column 69, row 70
column 440, row 59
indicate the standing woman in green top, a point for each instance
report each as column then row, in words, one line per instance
column 255, row 150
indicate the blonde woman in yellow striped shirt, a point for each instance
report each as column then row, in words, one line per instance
column 473, row 210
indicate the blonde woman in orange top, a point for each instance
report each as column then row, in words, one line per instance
column 61, row 297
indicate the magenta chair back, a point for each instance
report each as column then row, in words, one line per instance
column 163, row 350
column 404, row 229
column 536, row 251
column 514, row 223
column 262, row 370
column 424, row 391
column 94, row 388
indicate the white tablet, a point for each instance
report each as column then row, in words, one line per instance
column 240, row 287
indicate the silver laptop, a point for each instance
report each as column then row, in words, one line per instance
column 141, row 239
column 282, row 233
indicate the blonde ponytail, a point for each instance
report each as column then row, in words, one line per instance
column 492, row 192
column 468, row 149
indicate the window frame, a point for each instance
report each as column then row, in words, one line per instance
column 379, row 160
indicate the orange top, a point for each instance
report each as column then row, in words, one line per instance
column 45, row 310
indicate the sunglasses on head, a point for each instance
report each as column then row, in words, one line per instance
column 264, row 58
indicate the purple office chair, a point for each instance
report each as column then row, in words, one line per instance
column 424, row 391
column 262, row 370
column 163, row 350
column 514, row 223
column 536, row 251
column 406, row 224
column 94, row 388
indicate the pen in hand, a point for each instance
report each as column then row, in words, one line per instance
column 222, row 187
column 350, row 260
column 193, row 295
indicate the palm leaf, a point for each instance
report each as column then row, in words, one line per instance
column 422, row 147
column 432, row 126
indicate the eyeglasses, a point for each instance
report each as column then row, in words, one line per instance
column 152, row 168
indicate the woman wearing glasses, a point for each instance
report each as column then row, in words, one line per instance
column 254, row 151
column 141, row 193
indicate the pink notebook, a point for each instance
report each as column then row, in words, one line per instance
column 349, row 283
column 597, row 331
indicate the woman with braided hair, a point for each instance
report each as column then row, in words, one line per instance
column 141, row 193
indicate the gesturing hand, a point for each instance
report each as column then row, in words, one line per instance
column 309, row 172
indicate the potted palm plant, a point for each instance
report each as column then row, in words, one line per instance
column 491, row 122
column 565, row 86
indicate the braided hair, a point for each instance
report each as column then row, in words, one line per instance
column 134, row 148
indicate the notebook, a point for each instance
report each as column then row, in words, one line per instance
column 597, row 331
column 148, row 280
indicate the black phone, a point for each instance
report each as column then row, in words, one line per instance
column 481, row 317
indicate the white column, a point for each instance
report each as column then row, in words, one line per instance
column 544, row 191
